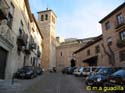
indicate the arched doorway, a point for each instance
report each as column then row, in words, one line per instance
column 73, row 63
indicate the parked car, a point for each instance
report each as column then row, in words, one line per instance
column 100, row 77
column 27, row 72
column 78, row 71
column 93, row 72
column 71, row 70
column 116, row 79
column 65, row 70
column 68, row 70
column 87, row 71
column 38, row 70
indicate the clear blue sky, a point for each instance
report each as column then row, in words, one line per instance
column 77, row 18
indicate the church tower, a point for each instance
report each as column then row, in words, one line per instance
column 47, row 24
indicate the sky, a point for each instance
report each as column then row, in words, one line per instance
column 77, row 18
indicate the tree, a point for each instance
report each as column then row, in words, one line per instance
column 110, row 54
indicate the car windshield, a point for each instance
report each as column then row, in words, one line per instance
column 119, row 73
column 81, row 69
column 97, row 69
column 25, row 69
column 104, row 70
column 87, row 69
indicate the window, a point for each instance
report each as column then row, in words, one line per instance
column 46, row 17
column 31, row 60
column 21, row 25
column 20, row 31
column 21, row 28
column 109, row 40
column 122, row 55
column 97, row 49
column 42, row 17
column 122, row 35
column 120, row 19
column 61, row 53
column 10, row 20
column 21, row 22
column 107, row 25
column 88, row 52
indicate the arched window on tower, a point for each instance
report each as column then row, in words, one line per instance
column 42, row 17
column 46, row 17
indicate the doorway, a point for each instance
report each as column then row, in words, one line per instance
column 91, row 61
column 73, row 63
column 3, row 59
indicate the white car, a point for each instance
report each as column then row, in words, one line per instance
column 78, row 72
column 88, row 70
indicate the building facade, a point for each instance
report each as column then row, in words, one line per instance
column 47, row 23
column 17, row 42
column 113, row 29
column 92, row 54
column 64, row 52
column 59, row 40
column 111, row 44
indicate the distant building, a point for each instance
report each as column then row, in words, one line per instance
column 64, row 52
column 47, row 23
column 91, row 54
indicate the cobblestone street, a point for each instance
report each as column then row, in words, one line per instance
column 50, row 83
column 57, row 83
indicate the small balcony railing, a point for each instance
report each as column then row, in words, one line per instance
column 22, row 39
column 121, row 43
column 6, row 33
column 4, row 9
column 120, row 23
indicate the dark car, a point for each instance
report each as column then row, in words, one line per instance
column 27, row 72
column 68, row 70
column 100, row 77
column 38, row 70
column 65, row 70
column 96, row 70
column 71, row 70
column 116, row 79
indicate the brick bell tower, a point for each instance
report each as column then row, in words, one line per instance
column 47, row 24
